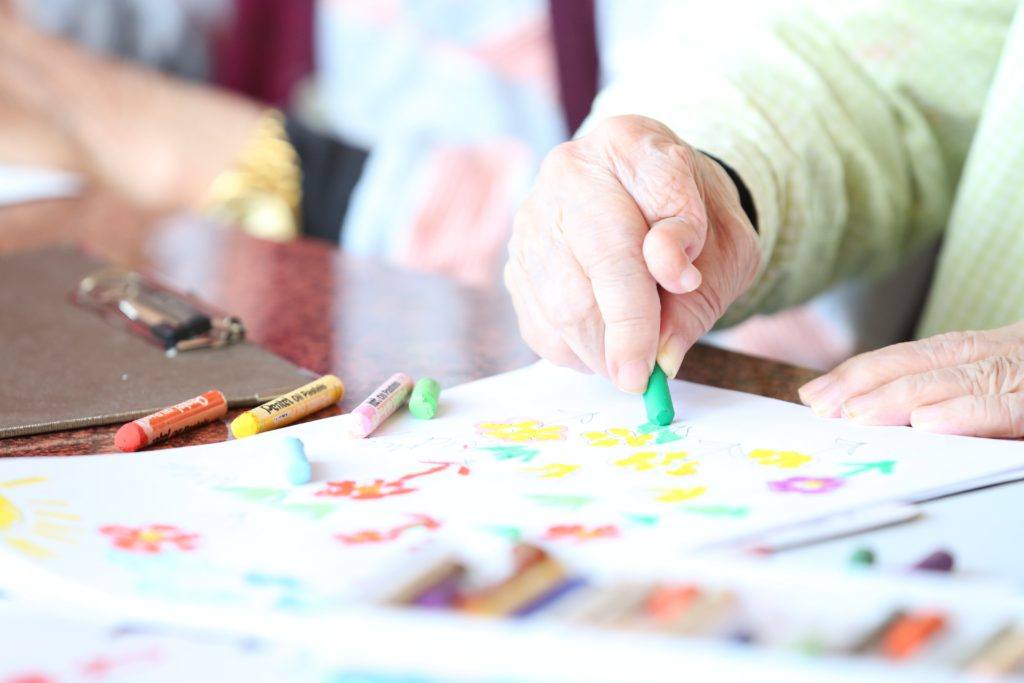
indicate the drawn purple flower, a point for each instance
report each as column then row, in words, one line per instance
column 806, row 484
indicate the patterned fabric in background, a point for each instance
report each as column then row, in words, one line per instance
column 458, row 104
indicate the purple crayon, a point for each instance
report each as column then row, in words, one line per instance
column 938, row 561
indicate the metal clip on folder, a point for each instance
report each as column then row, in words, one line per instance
column 172, row 320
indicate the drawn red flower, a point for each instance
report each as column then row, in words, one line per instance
column 580, row 532
column 150, row 538
column 375, row 536
column 379, row 488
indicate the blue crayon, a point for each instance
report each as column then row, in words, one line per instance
column 295, row 464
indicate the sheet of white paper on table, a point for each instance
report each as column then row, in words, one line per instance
column 19, row 184
column 541, row 454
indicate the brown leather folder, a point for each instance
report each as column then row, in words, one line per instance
column 63, row 366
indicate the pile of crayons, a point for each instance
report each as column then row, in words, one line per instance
column 423, row 397
column 540, row 587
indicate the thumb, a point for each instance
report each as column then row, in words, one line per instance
column 670, row 248
column 676, row 240
column 684, row 319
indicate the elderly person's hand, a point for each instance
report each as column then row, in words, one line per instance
column 613, row 215
column 158, row 141
column 969, row 383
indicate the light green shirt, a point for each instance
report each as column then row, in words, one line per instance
column 851, row 121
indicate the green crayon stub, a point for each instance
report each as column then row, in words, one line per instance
column 862, row 557
column 423, row 401
column 657, row 398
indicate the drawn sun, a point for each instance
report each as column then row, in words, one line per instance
column 34, row 526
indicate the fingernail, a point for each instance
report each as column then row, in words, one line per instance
column 854, row 407
column 632, row 376
column 670, row 356
column 690, row 279
column 813, row 388
column 827, row 408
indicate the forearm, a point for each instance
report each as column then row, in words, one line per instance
column 160, row 140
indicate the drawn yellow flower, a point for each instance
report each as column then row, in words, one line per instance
column 555, row 470
column 781, row 459
column 680, row 495
column 617, row 436
column 519, row 432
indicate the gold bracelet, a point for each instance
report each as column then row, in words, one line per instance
column 262, row 191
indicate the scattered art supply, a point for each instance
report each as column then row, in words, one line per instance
column 423, row 401
column 658, row 398
column 938, row 561
column 536, row 575
column 381, row 405
column 297, row 469
column 1000, row 655
column 445, row 572
column 910, row 633
column 290, row 407
column 836, row 526
column 873, row 637
column 169, row 421
column 862, row 557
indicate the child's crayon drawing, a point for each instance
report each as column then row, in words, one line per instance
column 580, row 533
column 418, row 521
column 520, row 453
column 379, row 488
column 675, row 464
column 729, row 511
column 570, row 472
column 780, row 459
column 555, row 470
column 877, row 467
column 617, row 436
column 279, row 500
column 150, row 538
column 680, row 495
column 522, row 431
column 806, row 484
column 568, row 502
column 35, row 527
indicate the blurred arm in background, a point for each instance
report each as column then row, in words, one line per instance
column 159, row 141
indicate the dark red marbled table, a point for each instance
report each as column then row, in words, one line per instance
column 320, row 308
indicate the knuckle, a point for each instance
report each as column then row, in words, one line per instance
column 1013, row 414
column 560, row 160
column 574, row 312
column 615, row 265
column 1002, row 375
column 949, row 347
column 622, row 128
column 971, row 380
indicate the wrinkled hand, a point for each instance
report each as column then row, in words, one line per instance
column 158, row 141
column 968, row 383
column 613, row 215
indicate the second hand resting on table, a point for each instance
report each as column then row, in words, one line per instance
column 629, row 207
